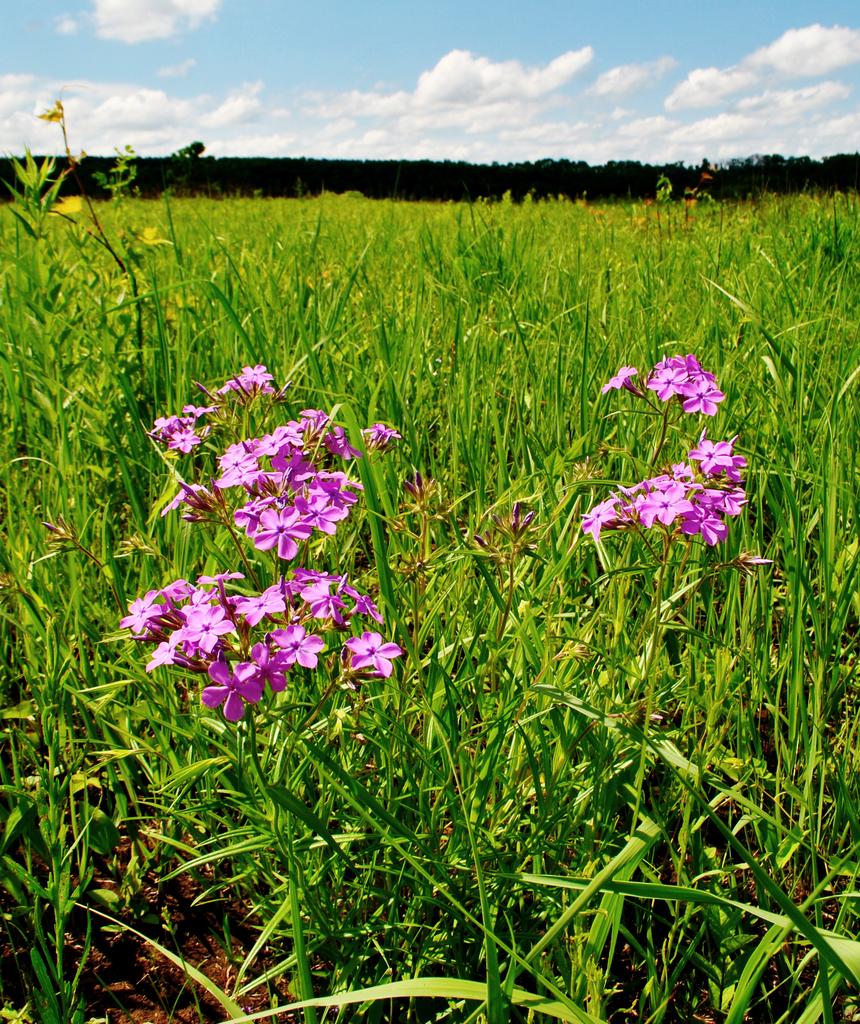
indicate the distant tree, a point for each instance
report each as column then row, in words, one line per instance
column 185, row 167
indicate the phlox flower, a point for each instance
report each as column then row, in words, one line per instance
column 599, row 516
column 177, row 591
column 220, row 577
column 270, row 602
column 265, row 667
column 729, row 503
column 281, row 527
column 164, row 654
column 253, row 379
column 701, row 396
column 141, row 611
column 337, row 444
column 363, row 604
column 322, row 604
column 184, row 440
column 316, row 514
column 715, row 457
column 314, row 419
column 621, row 380
column 204, row 627
column 294, row 467
column 335, row 488
column 297, row 646
column 233, row 692
column 370, row 651
column 667, row 382
column 238, row 467
column 379, row 438
column 701, row 520
column 664, row 505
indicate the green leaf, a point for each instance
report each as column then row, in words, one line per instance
column 430, row 988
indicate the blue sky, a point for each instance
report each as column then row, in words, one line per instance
column 470, row 80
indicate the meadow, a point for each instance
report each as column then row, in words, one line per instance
column 605, row 780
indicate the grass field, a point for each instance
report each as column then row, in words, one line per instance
column 602, row 783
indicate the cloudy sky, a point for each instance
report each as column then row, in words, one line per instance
column 477, row 80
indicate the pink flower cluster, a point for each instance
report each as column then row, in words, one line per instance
column 278, row 489
column 284, row 496
column 380, row 438
column 681, row 376
column 253, row 380
column 179, row 432
column 203, row 629
column 690, row 499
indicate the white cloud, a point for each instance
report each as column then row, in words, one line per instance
column 461, row 78
column 809, row 51
column 143, row 108
column 789, row 103
column 177, row 70
column 66, row 26
column 276, row 144
column 133, row 21
column 474, row 86
column 647, row 127
column 241, row 106
column 704, row 87
column 805, row 52
column 628, row 78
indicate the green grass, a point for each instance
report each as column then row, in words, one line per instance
column 496, row 812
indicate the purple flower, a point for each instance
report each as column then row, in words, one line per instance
column 323, row 605
column 598, row 517
column 178, row 590
column 694, row 368
column 264, row 668
column 702, row 521
column 622, row 380
column 282, row 527
column 141, row 611
column 665, row 505
column 232, row 693
column 238, row 467
column 701, row 396
column 717, row 457
column 204, row 627
column 184, row 440
column 337, row 444
column 253, row 380
column 220, row 577
column 316, row 514
column 295, row 468
column 297, row 646
column 667, row 381
column 270, row 602
column 379, row 438
column 164, row 654
column 370, row 650
column 727, row 502
column 363, row 604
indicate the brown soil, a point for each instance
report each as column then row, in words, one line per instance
column 126, row 979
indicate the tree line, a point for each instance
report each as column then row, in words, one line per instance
column 191, row 172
